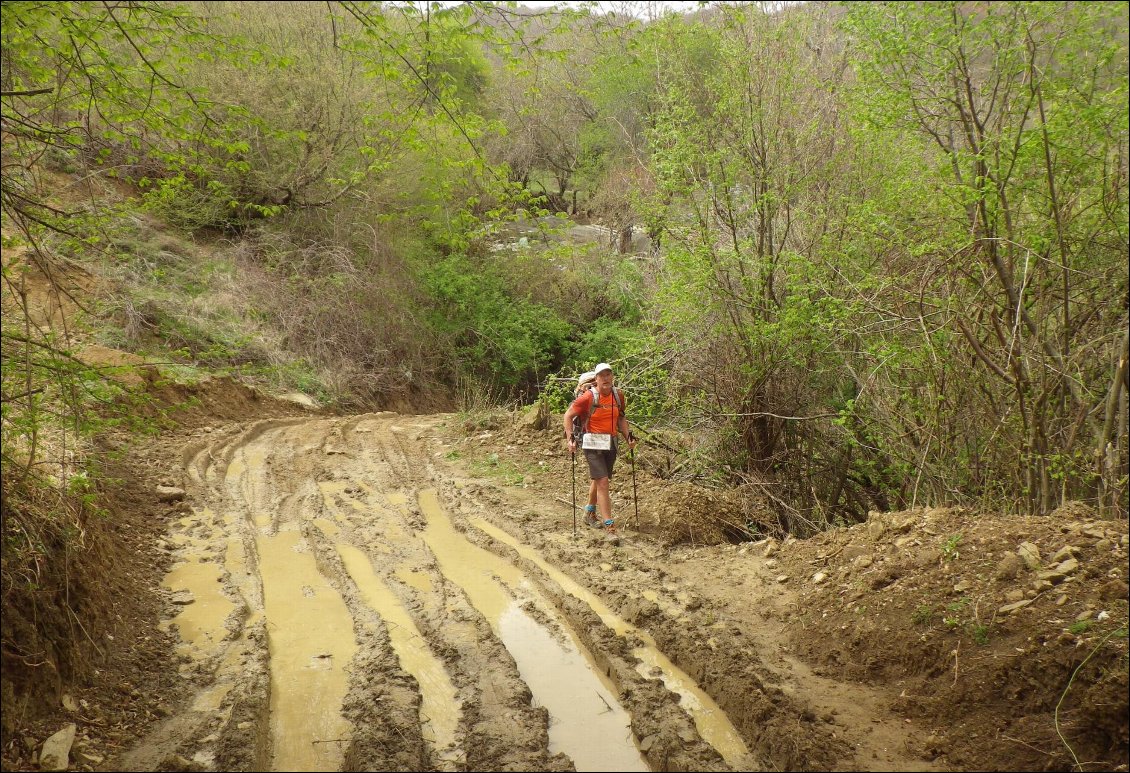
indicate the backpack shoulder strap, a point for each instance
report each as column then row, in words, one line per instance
column 617, row 401
column 593, row 405
column 617, row 396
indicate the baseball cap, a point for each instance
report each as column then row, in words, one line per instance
column 602, row 367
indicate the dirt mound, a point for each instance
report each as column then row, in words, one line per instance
column 214, row 400
column 682, row 513
column 1006, row 634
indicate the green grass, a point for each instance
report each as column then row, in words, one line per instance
column 491, row 466
column 1081, row 626
column 922, row 615
column 949, row 548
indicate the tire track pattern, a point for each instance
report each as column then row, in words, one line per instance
column 370, row 625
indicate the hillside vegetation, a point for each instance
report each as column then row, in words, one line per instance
column 844, row 258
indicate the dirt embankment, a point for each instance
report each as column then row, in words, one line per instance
column 388, row 592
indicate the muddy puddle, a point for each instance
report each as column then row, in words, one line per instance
column 389, row 634
column 711, row 721
column 439, row 700
column 587, row 722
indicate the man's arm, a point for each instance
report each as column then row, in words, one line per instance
column 568, row 421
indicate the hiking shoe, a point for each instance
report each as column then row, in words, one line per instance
column 609, row 526
column 590, row 516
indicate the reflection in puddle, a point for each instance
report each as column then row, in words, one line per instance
column 586, row 720
column 712, row 723
column 550, row 668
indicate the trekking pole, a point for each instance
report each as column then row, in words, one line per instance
column 574, row 455
column 635, row 498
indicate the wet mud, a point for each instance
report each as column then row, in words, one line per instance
column 348, row 598
column 346, row 601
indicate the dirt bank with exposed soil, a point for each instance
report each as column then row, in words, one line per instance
column 389, row 592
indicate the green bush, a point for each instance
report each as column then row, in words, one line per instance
column 500, row 339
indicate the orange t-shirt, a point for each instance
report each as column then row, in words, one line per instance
column 606, row 416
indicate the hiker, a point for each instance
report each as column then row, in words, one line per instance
column 598, row 415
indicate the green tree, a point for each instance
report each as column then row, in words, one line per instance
column 1025, row 107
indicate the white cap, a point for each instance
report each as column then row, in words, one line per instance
column 602, row 367
column 587, row 376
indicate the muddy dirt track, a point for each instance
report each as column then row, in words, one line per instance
column 407, row 592
column 349, row 598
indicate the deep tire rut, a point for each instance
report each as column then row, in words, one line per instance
column 348, row 601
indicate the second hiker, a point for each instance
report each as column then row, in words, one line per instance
column 593, row 421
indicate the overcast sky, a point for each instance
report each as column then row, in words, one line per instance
column 641, row 8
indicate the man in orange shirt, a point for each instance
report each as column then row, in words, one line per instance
column 595, row 418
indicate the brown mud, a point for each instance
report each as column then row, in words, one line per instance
column 396, row 592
